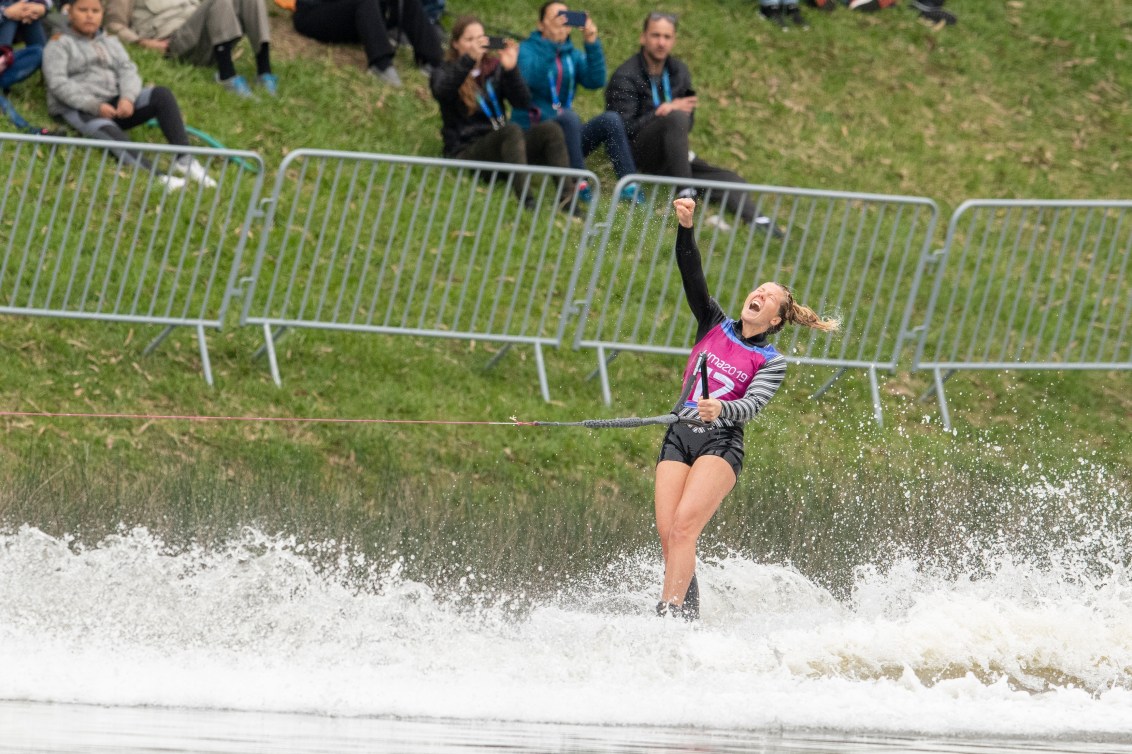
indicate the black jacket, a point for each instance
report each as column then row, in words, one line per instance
column 459, row 127
column 630, row 94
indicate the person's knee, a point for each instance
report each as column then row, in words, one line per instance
column 162, row 96
column 684, row 531
column 677, row 121
column 568, row 119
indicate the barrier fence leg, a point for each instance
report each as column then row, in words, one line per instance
column 204, row 360
column 542, row 381
column 153, row 344
column 945, row 415
column 498, row 355
column 877, row 413
column 603, row 371
column 269, row 347
column 829, row 383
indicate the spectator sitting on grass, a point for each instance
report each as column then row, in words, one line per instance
column 652, row 91
column 201, row 32
column 20, row 22
column 553, row 69
column 94, row 86
column 337, row 21
column 473, row 87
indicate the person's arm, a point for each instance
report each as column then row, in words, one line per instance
column 62, row 87
column 762, row 388
column 624, row 97
column 591, row 66
column 447, row 78
column 129, row 81
column 117, row 20
column 513, row 89
column 704, row 308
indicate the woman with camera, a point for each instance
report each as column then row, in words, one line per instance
column 473, row 87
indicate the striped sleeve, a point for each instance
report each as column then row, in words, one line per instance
column 762, row 388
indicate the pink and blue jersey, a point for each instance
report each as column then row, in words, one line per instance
column 743, row 373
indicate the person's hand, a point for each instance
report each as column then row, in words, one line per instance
column 509, row 55
column 107, row 111
column 685, row 209
column 589, row 31
column 682, row 104
column 125, row 108
column 36, row 12
column 19, row 12
column 160, row 45
column 709, row 409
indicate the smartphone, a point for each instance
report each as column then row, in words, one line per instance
column 496, row 43
column 574, row 17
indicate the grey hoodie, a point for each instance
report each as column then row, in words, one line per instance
column 83, row 73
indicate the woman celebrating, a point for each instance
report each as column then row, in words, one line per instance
column 698, row 465
column 473, row 87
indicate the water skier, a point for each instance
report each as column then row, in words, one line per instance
column 698, row 466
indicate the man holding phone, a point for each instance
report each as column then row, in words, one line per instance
column 553, row 69
column 652, row 92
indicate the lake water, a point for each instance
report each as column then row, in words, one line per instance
column 132, row 646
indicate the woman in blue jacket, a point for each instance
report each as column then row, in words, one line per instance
column 553, row 69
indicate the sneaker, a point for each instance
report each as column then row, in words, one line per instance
column 633, row 194
column 794, row 13
column 427, row 69
column 763, row 223
column 386, row 75
column 585, row 193
column 773, row 13
column 717, row 221
column 238, row 85
column 269, row 82
column 686, row 193
column 170, row 182
column 194, row 171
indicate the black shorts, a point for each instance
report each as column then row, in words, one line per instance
column 685, row 444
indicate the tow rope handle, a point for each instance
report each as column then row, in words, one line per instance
column 702, row 366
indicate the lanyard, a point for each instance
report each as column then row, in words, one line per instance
column 667, row 89
column 493, row 111
column 556, row 86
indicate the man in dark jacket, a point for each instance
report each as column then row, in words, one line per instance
column 652, row 91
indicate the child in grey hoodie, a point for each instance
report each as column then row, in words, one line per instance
column 94, row 86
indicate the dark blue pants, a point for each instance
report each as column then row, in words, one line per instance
column 606, row 129
column 26, row 63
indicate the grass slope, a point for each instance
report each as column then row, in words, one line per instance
column 1021, row 99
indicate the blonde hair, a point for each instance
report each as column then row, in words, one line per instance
column 796, row 314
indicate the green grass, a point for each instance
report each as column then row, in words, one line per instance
column 1017, row 101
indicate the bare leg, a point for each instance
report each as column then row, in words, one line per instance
column 705, row 485
column 670, row 479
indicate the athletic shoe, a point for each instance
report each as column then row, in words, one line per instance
column 170, row 182
column 386, row 75
column 794, row 13
column 194, row 171
column 633, row 194
column 238, row 85
column 573, row 208
column 269, row 82
column 585, row 193
column 427, row 69
column 864, row 4
column 686, row 193
column 931, row 10
column 773, row 13
column 762, row 222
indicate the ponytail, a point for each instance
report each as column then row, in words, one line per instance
column 796, row 314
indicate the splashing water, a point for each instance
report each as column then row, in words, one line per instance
column 1004, row 645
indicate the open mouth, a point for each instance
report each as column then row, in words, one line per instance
column 755, row 306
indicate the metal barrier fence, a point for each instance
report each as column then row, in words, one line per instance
column 859, row 256
column 100, row 231
column 1030, row 285
column 416, row 246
